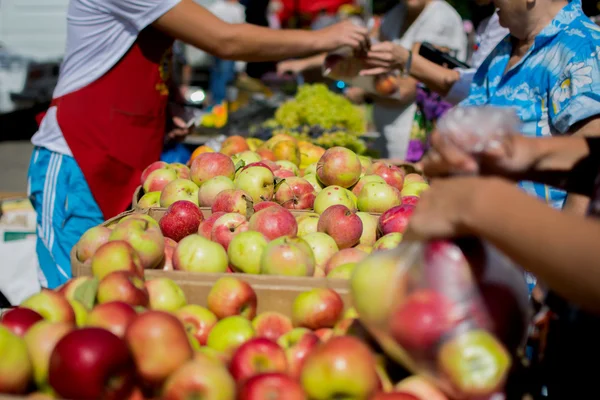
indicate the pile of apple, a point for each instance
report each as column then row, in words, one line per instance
column 126, row 338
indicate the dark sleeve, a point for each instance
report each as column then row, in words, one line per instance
column 582, row 177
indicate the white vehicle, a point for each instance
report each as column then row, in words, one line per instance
column 32, row 44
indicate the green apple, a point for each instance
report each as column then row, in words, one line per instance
column 91, row 240
column 201, row 378
column 356, row 189
column 414, row 188
column 116, row 255
column 81, row 313
column 179, row 189
column 41, row 340
column 333, row 195
column 165, row 295
column 258, row 182
column 343, row 271
column 245, row 251
column 323, row 247
column 314, row 181
column 195, row 253
column 139, row 215
column 317, row 308
column 15, row 367
column 310, row 170
column 51, row 305
column 289, row 166
column 307, row 224
column 369, row 233
column 197, row 320
column 229, row 333
column 145, row 238
column 289, row 257
column 365, row 163
column 378, row 197
column 388, row 242
column 215, row 355
column 149, row 200
column 211, row 188
column 248, row 157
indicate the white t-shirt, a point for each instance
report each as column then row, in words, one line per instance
column 438, row 24
column 99, row 34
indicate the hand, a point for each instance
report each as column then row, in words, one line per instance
column 385, row 57
column 343, row 34
column 291, row 66
column 179, row 131
column 355, row 95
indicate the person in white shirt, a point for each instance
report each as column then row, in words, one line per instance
column 107, row 120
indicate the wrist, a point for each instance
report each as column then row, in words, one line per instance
column 478, row 212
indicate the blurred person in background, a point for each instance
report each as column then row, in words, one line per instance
column 108, row 118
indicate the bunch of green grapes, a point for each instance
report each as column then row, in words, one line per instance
column 343, row 139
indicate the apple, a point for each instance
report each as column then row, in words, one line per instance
column 411, row 178
column 150, row 200
column 287, row 150
column 333, row 195
column 317, row 308
column 339, row 166
column 343, row 225
column 159, row 345
column 197, row 320
column 343, row 367
column 81, row 313
column 395, row 219
column 261, row 205
column 266, row 154
column 420, row 388
column 295, row 193
column 298, row 344
column 388, row 242
column 257, row 356
column 145, row 238
column 158, row 179
column 40, row 341
column 365, row 163
column 233, row 201
column 419, row 322
column 179, row 189
column 231, row 296
column 181, row 219
column 386, row 84
column 393, row 396
column 287, row 257
column 114, row 316
column 270, row 144
column 167, row 262
column 234, row 145
column 356, row 189
column 245, row 251
column 343, row 326
column 410, row 200
column 273, row 386
column 309, row 153
column 198, row 254
column 289, row 166
column 314, row 181
column 211, row 188
column 344, row 271
column 307, row 223
column 165, row 295
column 378, row 197
column 116, row 255
column 323, row 247
column 123, row 286
column 271, row 165
column 230, row 333
column 91, row 240
column 246, row 157
column 310, row 169
column 19, row 320
column 283, row 174
column 205, row 227
column 73, row 288
column 50, row 305
column 369, row 233
column 414, row 189
column 392, row 175
column 274, row 222
column 475, row 363
column 182, row 170
column 344, row 256
column 227, row 227
column 136, row 216
column 258, row 182
column 84, row 360
column 15, row 367
column 151, row 168
column 201, row 378
column 209, row 165
column 271, row 325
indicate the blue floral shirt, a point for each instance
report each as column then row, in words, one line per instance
column 553, row 87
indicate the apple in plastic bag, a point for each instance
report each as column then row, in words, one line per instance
column 386, row 85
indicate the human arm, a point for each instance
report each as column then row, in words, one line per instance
column 193, row 24
column 300, row 65
column 561, row 249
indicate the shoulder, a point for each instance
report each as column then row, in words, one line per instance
column 440, row 10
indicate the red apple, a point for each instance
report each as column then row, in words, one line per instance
column 182, row 170
column 386, row 84
column 410, row 178
column 114, row 316
column 19, row 320
column 395, row 219
column 266, row 164
column 234, row 145
column 393, row 396
column 146, row 239
column 15, row 366
column 271, row 325
column 198, row 321
column 209, row 165
column 391, row 174
column 264, row 204
column 231, row 296
column 167, row 262
column 339, row 166
column 158, row 179
column 233, row 201
column 159, row 345
column 91, row 240
column 420, row 388
column 201, row 378
column 343, row 225
column 116, row 255
column 84, row 360
column 181, row 219
column 205, row 227
column 150, row 168
column 50, row 305
column 343, row 367
column 317, row 308
column 274, row 222
column 283, row 173
column 324, row 334
column 346, row 256
column 295, row 193
column 272, row 386
column 410, row 200
column 298, row 344
column 419, row 323
column 123, row 286
column 266, row 154
column 256, row 356
column 228, row 226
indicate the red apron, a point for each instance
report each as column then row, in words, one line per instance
column 115, row 126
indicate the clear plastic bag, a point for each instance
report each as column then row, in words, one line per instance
column 475, row 129
column 454, row 312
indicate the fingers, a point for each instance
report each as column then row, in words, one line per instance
column 456, row 159
column 374, row 71
column 180, row 123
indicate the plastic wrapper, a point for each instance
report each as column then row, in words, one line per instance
column 476, row 129
column 454, row 312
